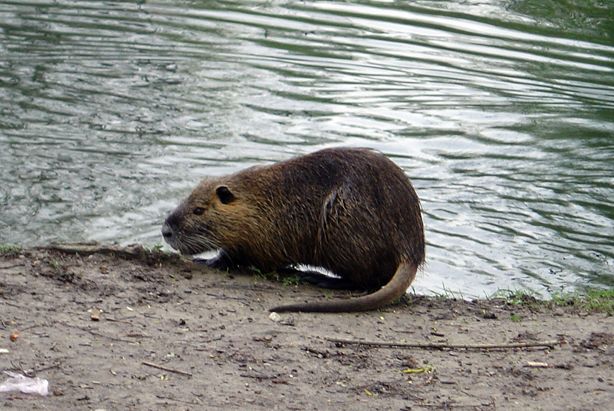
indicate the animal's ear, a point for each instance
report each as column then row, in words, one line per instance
column 224, row 194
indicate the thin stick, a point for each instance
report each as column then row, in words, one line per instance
column 130, row 251
column 161, row 367
column 93, row 332
column 444, row 346
column 6, row 267
column 50, row 367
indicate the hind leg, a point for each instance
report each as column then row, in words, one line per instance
column 326, row 281
column 318, row 279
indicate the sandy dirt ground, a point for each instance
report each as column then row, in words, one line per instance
column 174, row 335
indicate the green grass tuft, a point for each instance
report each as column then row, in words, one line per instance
column 515, row 317
column 291, row 280
column 592, row 299
column 518, row 297
column 156, row 250
column 288, row 280
column 449, row 294
column 9, row 249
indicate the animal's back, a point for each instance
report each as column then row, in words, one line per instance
column 352, row 211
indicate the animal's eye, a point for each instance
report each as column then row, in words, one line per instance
column 198, row 211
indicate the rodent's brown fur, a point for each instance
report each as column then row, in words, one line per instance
column 349, row 210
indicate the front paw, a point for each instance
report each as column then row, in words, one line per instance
column 219, row 262
column 201, row 261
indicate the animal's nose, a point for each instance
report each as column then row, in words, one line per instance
column 167, row 231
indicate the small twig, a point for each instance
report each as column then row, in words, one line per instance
column 29, row 327
column 536, row 364
column 161, row 367
column 95, row 248
column 93, row 332
column 49, row 367
column 226, row 297
column 258, row 376
column 138, row 335
column 178, row 400
column 9, row 303
column 120, row 320
column 129, row 252
column 39, row 370
column 6, row 267
column 444, row 346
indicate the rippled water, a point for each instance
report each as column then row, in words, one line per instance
column 501, row 112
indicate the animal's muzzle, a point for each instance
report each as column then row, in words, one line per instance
column 169, row 235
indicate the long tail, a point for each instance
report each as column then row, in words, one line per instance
column 396, row 287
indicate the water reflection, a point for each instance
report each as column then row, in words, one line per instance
column 501, row 112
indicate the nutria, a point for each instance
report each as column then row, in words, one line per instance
column 349, row 210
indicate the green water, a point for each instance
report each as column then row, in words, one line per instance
column 501, row 112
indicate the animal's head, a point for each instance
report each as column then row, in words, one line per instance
column 210, row 218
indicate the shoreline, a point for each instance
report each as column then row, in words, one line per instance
column 126, row 327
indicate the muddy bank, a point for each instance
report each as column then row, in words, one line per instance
column 130, row 329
